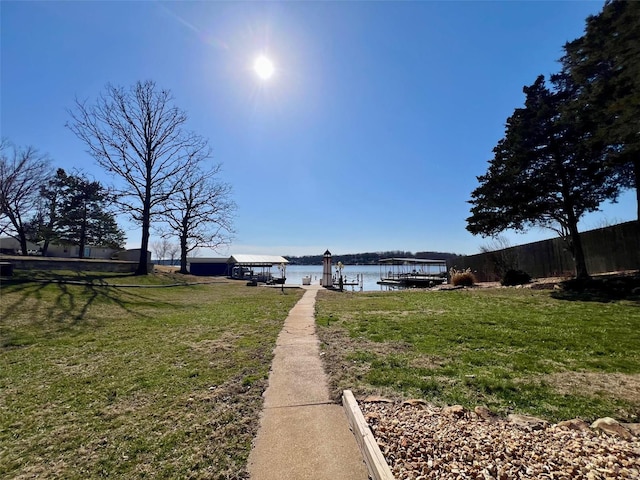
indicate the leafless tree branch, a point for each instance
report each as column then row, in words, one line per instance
column 22, row 172
column 201, row 213
column 139, row 137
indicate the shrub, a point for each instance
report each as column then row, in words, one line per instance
column 515, row 277
column 464, row 279
column 605, row 287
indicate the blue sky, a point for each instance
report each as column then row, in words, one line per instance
column 368, row 137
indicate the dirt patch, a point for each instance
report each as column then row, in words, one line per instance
column 403, row 313
column 429, row 362
column 391, row 313
column 225, row 343
column 126, row 405
column 617, row 385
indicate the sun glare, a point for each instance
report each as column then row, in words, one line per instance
column 263, row 67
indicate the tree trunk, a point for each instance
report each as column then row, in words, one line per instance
column 83, row 240
column 83, row 228
column 183, row 254
column 16, row 221
column 23, row 242
column 142, row 263
column 578, row 251
column 144, row 244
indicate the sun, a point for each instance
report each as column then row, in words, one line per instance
column 263, row 67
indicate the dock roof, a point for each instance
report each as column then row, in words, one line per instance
column 257, row 260
column 410, row 261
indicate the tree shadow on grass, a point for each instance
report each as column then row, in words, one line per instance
column 71, row 276
column 55, row 306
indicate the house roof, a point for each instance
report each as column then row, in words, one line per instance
column 257, row 260
column 10, row 242
column 208, row 260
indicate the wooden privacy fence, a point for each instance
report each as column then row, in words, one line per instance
column 606, row 249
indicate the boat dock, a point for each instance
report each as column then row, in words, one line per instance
column 412, row 272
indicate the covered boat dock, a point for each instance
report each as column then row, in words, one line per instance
column 256, row 268
column 412, row 272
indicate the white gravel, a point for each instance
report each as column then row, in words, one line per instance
column 423, row 442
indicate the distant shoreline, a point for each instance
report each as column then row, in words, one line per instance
column 368, row 258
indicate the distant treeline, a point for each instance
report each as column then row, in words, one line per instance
column 370, row 258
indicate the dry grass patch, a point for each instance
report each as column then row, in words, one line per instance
column 616, row 385
column 225, row 343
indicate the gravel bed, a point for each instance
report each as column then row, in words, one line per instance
column 425, row 442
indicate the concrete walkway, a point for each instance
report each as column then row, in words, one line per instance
column 302, row 434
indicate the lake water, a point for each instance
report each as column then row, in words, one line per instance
column 370, row 274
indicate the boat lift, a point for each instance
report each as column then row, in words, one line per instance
column 412, row 272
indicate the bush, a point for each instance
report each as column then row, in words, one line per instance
column 515, row 277
column 605, row 287
column 464, row 279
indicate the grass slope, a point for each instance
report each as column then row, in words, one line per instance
column 514, row 350
column 100, row 381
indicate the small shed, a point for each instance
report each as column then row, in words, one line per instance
column 209, row 267
column 254, row 267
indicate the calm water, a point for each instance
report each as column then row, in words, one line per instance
column 369, row 273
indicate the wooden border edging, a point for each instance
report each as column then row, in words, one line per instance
column 373, row 458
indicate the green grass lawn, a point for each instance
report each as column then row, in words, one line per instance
column 514, row 350
column 112, row 382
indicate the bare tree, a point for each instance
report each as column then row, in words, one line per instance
column 22, row 172
column 163, row 248
column 172, row 251
column 201, row 213
column 138, row 136
column 159, row 248
column 42, row 227
column 500, row 254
